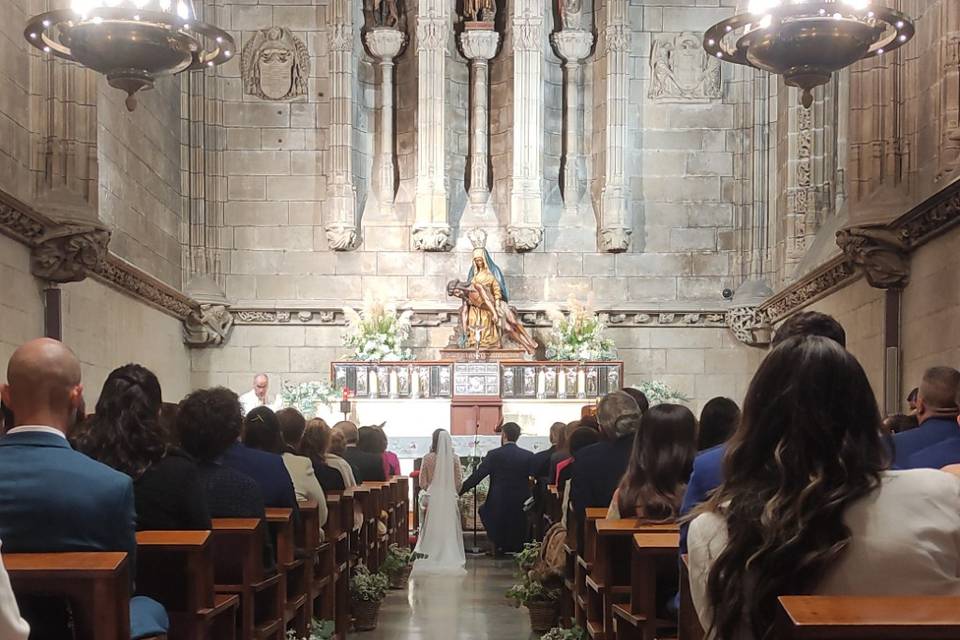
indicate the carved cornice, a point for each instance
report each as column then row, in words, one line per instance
column 21, row 222
column 449, row 317
column 832, row 275
column 120, row 274
column 929, row 219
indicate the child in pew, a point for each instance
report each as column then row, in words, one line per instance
column 809, row 505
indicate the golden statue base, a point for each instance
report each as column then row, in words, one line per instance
column 485, row 355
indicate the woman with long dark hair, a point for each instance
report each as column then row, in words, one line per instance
column 126, row 433
column 808, row 505
column 314, row 444
column 663, row 451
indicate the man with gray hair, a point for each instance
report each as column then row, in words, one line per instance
column 259, row 396
column 597, row 469
column 926, row 446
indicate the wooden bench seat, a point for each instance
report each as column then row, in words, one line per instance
column 294, row 586
column 868, row 618
column 654, row 552
column 585, row 535
column 176, row 568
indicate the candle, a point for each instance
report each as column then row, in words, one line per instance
column 394, row 383
column 374, row 382
column 581, row 383
column 541, row 383
column 561, row 383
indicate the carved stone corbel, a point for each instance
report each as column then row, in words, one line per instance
column 208, row 327
column 750, row 325
column 65, row 253
column 879, row 253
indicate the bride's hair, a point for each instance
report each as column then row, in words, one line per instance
column 436, row 439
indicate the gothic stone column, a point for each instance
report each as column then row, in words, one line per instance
column 385, row 43
column 479, row 46
column 615, row 224
column 573, row 45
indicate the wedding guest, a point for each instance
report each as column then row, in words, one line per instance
column 560, row 449
column 374, row 441
column 292, row 426
column 639, row 397
column 336, row 450
column 125, row 433
column 900, row 422
column 53, row 498
column 581, row 438
column 598, row 468
column 259, row 396
column 6, row 418
column 262, row 432
column 368, row 467
column 912, row 399
column 12, row 626
column 660, row 463
column 718, row 420
column 429, row 463
column 509, row 469
column 314, row 445
column 267, row 469
column 937, row 415
column 558, row 467
column 209, row 422
column 707, row 470
column 808, row 505
column 324, row 443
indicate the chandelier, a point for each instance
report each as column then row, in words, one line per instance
column 805, row 41
column 131, row 42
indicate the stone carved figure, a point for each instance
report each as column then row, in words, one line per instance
column 68, row 252
column 483, row 316
column 571, row 13
column 880, row 253
column 474, row 295
column 480, row 10
column 275, row 65
column 381, row 13
column 681, row 71
column 209, row 327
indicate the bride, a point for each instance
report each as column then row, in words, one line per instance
column 440, row 544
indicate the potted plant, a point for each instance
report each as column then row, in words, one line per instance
column 540, row 600
column 319, row 630
column 559, row 633
column 397, row 566
column 367, row 591
column 527, row 558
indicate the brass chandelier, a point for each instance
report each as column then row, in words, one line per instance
column 806, row 41
column 131, row 42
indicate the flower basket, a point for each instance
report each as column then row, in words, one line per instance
column 543, row 615
column 365, row 614
column 401, row 577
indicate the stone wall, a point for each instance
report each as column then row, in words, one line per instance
column 14, row 101
column 104, row 327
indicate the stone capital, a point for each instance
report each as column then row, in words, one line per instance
column 432, row 237
column 524, row 238
column 67, row 252
column 479, row 44
column 342, row 236
column 879, row 253
column 614, row 239
column 385, row 43
column 750, row 325
column 572, row 45
column 208, row 327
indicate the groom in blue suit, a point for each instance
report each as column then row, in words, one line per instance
column 509, row 471
column 53, row 498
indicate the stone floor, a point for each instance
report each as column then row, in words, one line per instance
column 470, row 607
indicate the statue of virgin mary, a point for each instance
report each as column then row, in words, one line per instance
column 485, row 273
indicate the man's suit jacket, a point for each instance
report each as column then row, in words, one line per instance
column 938, row 456
column 540, row 463
column 707, row 475
column 267, row 470
column 930, row 432
column 369, row 465
column 597, row 470
column 502, row 512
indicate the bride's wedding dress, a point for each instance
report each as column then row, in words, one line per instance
column 440, row 544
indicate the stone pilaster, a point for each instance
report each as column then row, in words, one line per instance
column 573, row 45
column 615, row 223
column 385, row 43
column 479, row 45
column 431, row 229
column 341, row 224
column 525, row 231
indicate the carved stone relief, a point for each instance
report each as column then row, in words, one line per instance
column 524, row 238
column 382, row 13
column 208, row 327
column 341, row 237
column 681, row 71
column 879, row 252
column 275, row 65
column 480, row 10
column 571, row 14
column 66, row 253
column 433, row 237
column 615, row 239
column 750, row 325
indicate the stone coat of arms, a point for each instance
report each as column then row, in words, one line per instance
column 275, row 65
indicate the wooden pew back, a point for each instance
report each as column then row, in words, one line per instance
column 868, row 618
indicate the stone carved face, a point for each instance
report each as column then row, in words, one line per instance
column 275, row 65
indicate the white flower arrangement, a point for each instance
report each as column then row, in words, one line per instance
column 578, row 334
column 658, row 392
column 305, row 397
column 377, row 332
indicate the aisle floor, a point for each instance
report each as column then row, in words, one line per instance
column 470, row 607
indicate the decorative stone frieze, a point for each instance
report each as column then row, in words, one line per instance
column 750, row 325
column 681, row 71
column 67, row 252
column 17, row 222
column 879, row 252
column 275, row 65
column 615, row 225
column 823, row 281
column 341, row 221
column 118, row 273
column 208, row 327
column 933, row 217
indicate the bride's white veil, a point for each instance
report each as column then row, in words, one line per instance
column 441, row 536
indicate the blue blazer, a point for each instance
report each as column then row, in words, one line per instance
column 930, row 432
column 707, row 475
column 53, row 498
column 596, row 472
column 502, row 512
column 945, row 452
column 267, row 470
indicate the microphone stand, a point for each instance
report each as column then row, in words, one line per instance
column 475, row 550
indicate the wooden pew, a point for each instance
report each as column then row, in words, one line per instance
column 307, row 541
column 97, row 585
column 585, row 534
column 868, row 618
column 403, row 493
column 688, row 623
column 366, row 539
column 238, row 570
column 654, row 552
column 294, row 585
column 175, row 568
column 609, row 580
column 568, row 589
column 343, row 554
